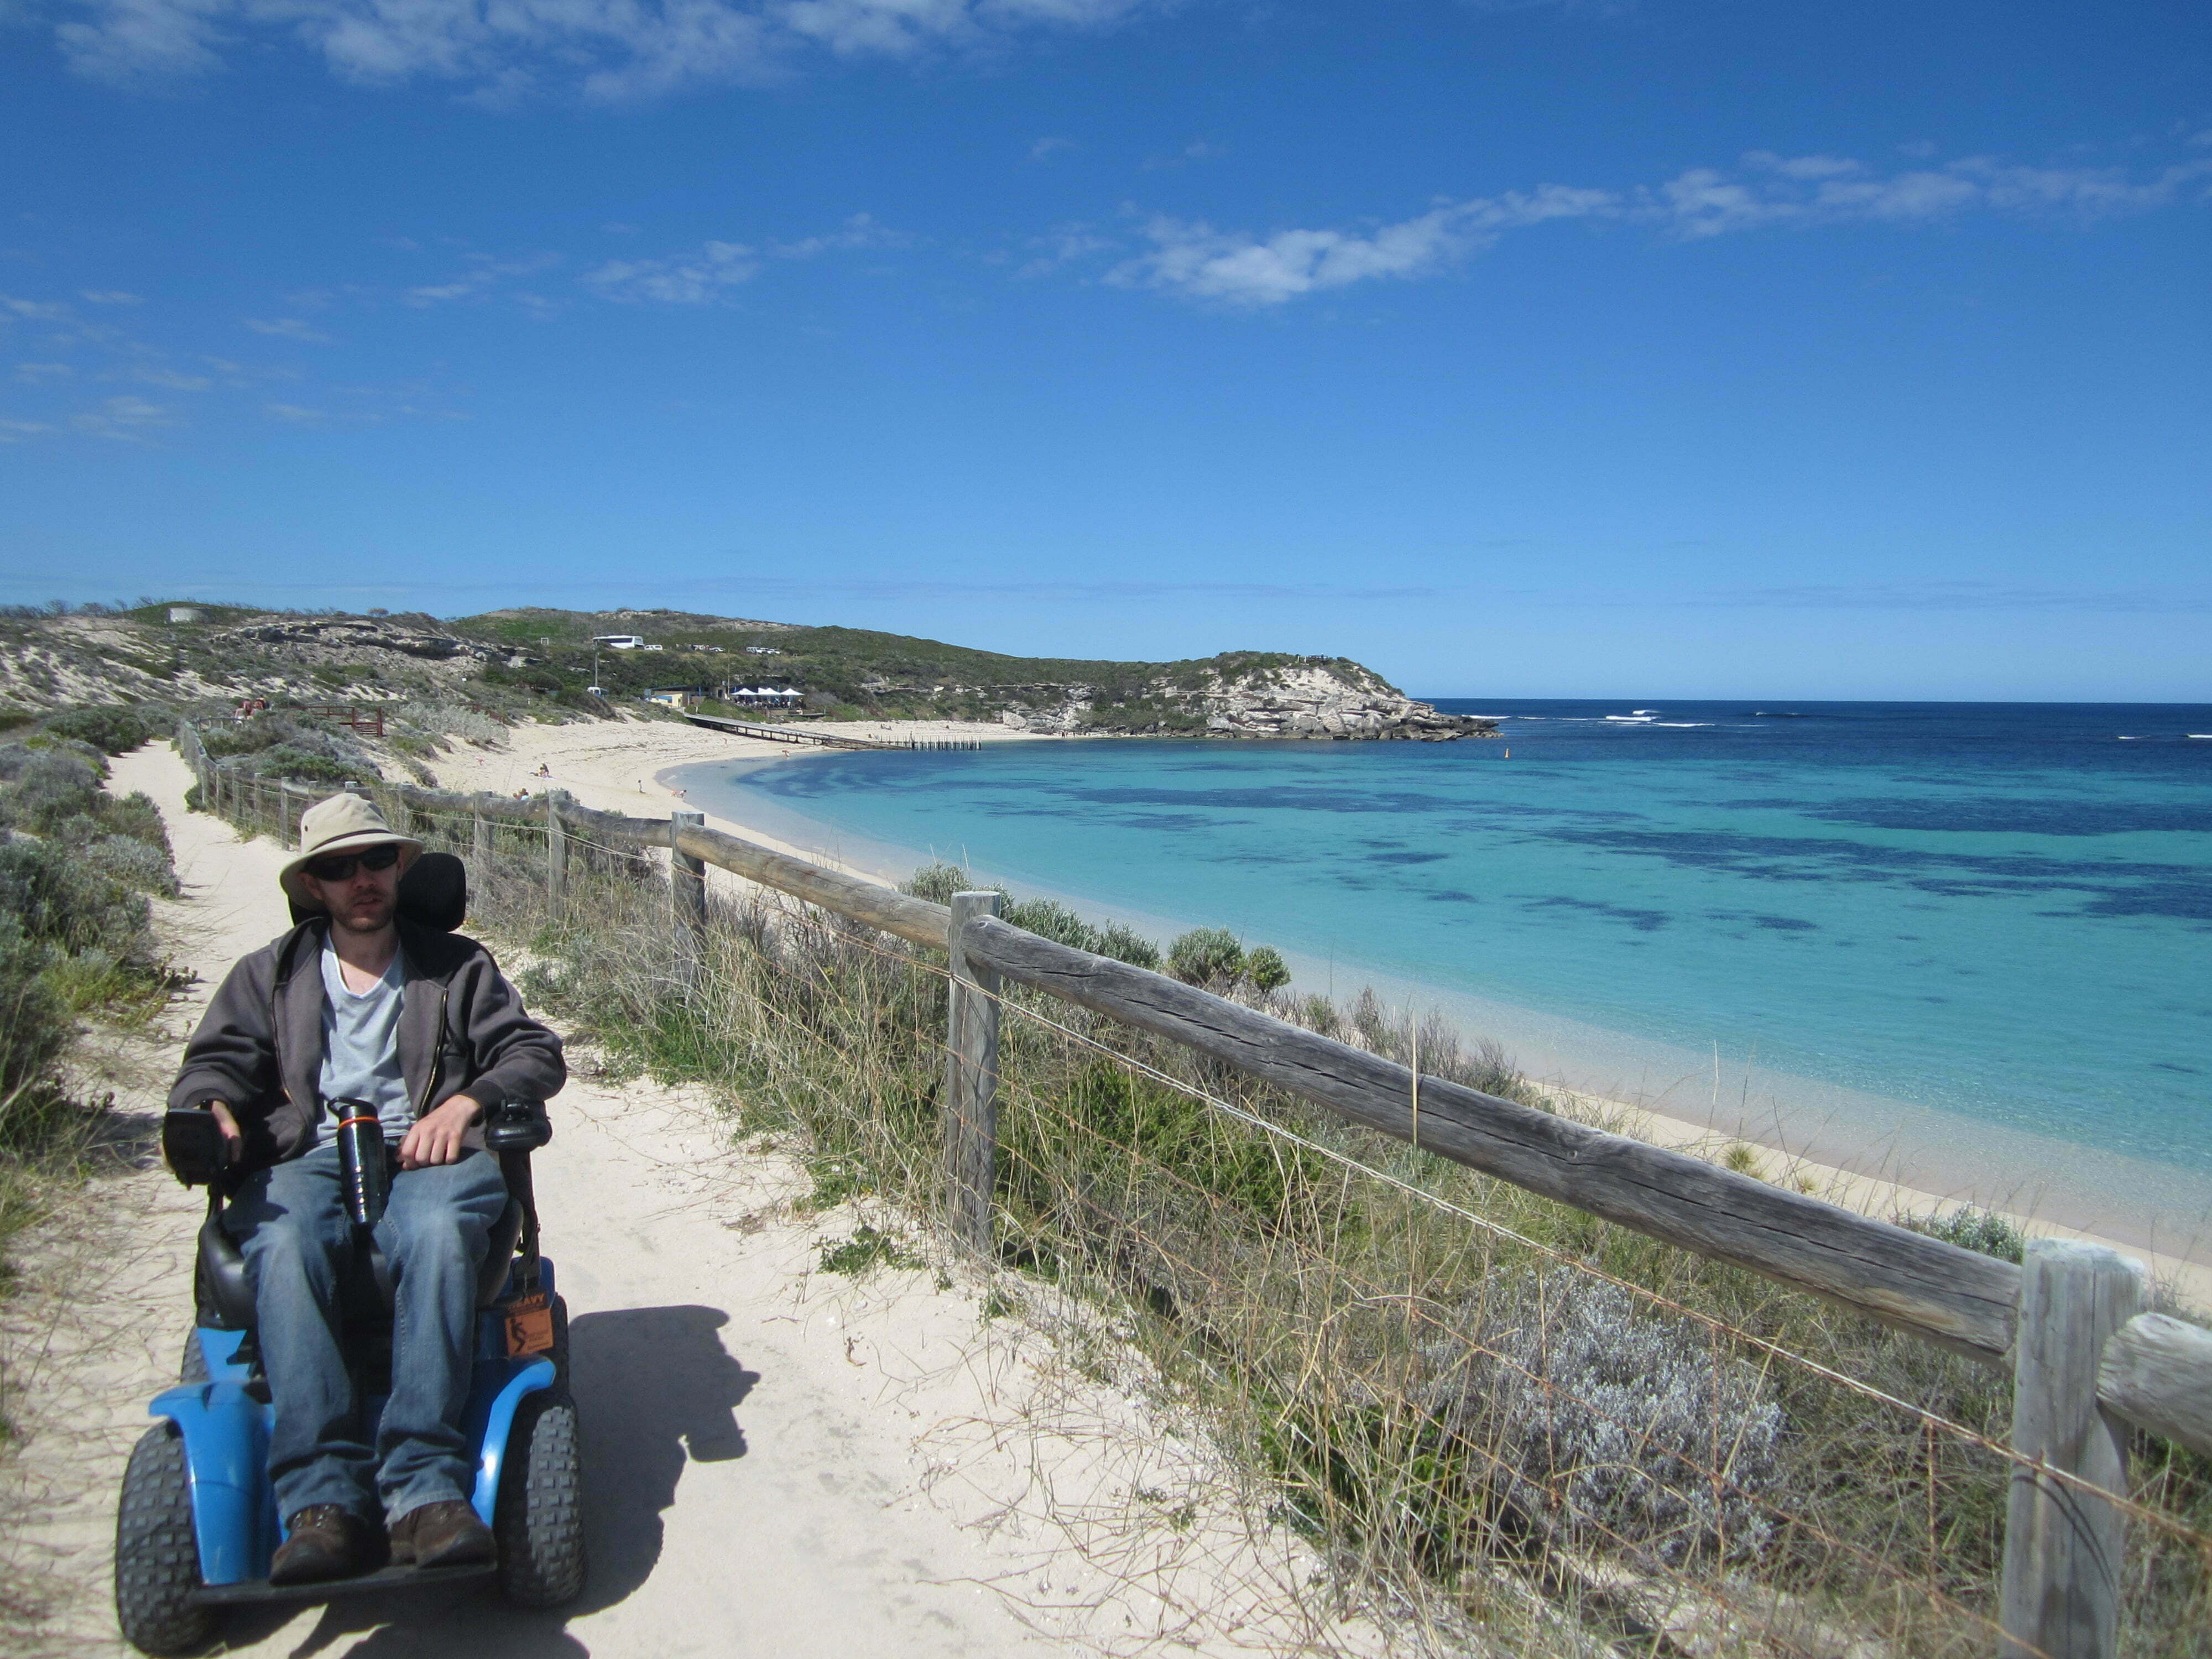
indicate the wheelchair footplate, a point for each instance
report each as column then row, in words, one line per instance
column 259, row 1592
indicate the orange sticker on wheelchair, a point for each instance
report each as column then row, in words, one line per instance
column 529, row 1326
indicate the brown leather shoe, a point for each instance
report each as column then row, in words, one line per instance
column 445, row 1534
column 322, row 1542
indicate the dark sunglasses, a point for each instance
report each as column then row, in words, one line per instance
column 340, row 866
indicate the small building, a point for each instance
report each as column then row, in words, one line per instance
column 619, row 641
column 678, row 697
column 183, row 613
column 763, row 697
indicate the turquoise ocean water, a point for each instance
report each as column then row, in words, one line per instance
column 1981, row 928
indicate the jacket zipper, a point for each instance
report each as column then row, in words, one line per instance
column 437, row 1060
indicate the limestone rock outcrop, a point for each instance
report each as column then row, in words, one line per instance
column 1309, row 697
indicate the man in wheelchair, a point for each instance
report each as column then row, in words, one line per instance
column 357, row 1004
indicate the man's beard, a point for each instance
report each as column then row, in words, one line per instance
column 369, row 916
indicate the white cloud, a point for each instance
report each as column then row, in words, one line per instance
column 1197, row 261
column 1045, row 149
column 691, row 280
column 13, row 432
column 34, row 311
column 1065, row 247
column 859, row 231
column 111, row 297
column 286, row 328
column 709, row 274
column 35, row 374
column 126, row 418
column 1813, row 189
column 484, row 273
column 294, row 414
column 170, row 379
column 605, row 51
column 1801, row 166
column 1201, row 263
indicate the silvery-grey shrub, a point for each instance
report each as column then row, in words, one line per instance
column 1606, row 1420
column 133, row 863
column 447, row 719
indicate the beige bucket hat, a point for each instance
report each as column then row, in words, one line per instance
column 341, row 824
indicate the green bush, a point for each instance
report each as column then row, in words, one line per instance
column 137, row 817
column 1209, row 956
column 1265, row 967
column 112, row 730
column 1047, row 918
column 58, row 900
column 1977, row 1229
column 51, row 786
column 127, row 859
column 33, row 1026
column 287, row 760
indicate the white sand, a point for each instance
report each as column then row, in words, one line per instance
column 778, row 1460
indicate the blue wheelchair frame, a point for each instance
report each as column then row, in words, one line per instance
column 226, row 1434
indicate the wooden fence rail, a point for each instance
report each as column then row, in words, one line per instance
column 2085, row 1361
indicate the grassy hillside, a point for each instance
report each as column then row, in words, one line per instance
column 844, row 670
column 533, row 662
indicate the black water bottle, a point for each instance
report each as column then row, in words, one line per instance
column 360, row 1161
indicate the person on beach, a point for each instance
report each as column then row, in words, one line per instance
column 356, row 1002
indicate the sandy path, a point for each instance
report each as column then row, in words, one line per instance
column 777, row 1460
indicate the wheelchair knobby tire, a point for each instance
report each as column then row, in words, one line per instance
column 193, row 1368
column 539, row 1518
column 157, row 1557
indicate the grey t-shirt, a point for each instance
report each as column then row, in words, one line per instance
column 361, row 1046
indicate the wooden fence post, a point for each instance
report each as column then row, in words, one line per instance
column 687, row 889
column 2064, row 1547
column 480, row 843
column 971, row 1082
column 556, row 854
column 284, row 813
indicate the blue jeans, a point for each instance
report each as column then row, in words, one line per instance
column 291, row 1225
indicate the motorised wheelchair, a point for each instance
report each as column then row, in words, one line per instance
column 197, row 1521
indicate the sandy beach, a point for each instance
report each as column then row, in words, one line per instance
column 617, row 765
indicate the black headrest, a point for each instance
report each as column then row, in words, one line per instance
column 433, row 894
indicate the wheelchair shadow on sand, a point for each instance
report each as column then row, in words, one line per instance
column 655, row 1390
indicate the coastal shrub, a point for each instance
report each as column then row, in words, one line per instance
column 134, row 864
column 1599, row 1422
column 304, row 765
column 113, row 729
column 1266, row 969
column 1047, row 918
column 58, row 900
column 33, row 1025
column 49, row 786
column 938, row 882
column 1207, row 956
column 136, row 815
column 447, row 719
column 1976, row 1230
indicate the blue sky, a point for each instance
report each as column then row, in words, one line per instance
column 1641, row 349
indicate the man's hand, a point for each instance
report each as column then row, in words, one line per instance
column 437, row 1139
column 233, row 1138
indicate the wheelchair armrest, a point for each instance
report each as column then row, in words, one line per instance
column 516, row 1126
column 192, row 1145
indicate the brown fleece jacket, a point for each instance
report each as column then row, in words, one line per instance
column 462, row 1030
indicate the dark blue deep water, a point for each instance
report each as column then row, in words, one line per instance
column 2003, row 912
